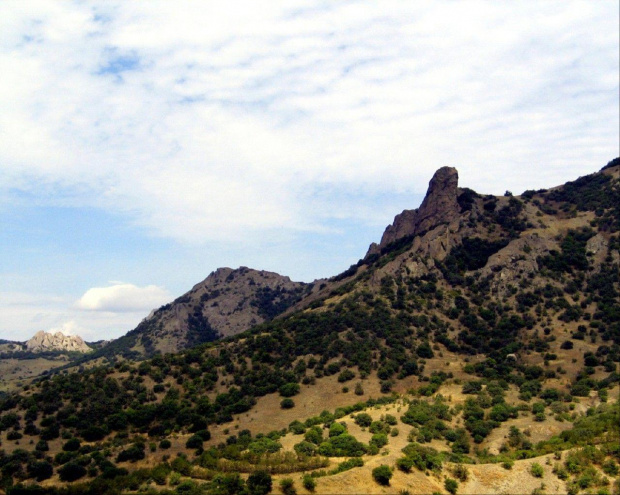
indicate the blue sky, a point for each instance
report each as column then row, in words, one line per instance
column 145, row 144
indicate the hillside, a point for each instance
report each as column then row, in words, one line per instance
column 226, row 303
column 477, row 342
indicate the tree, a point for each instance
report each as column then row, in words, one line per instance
column 382, row 474
column 259, row 483
column 71, row 472
column 40, row 470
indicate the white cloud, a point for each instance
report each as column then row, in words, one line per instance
column 101, row 313
column 123, row 298
column 231, row 122
column 70, row 327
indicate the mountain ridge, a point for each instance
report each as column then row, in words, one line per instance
column 456, row 350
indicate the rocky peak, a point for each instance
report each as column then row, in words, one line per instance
column 439, row 206
column 44, row 341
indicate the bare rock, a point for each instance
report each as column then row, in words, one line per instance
column 440, row 206
column 44, row 341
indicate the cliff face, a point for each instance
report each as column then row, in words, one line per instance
column 43, row 341
column 440, row 206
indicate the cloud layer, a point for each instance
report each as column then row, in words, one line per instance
column 232, row 123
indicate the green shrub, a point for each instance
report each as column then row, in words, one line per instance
column 382, row 474
column 363, row 419
column 289, row 389
column 194, row 442
column 379, row 440
column 165, row 444
column 287, row 485
column 259, row 483
column 287, row 403
column 309, row 482
column 537, row 470
column 451, row 485
column 305, row 448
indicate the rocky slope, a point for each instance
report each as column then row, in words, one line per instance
column 227, row 302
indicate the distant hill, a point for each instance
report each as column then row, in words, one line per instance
column 226, row 303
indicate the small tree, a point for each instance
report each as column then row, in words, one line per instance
column 259, row 483
column 287, row 403
column 382, row 474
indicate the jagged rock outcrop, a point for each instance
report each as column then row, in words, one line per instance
column 44, row 341
column 440, row 206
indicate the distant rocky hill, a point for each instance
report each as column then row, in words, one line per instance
column 44, row 341
column 227, row 302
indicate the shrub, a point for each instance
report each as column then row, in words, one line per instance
column 133, row 453
column 382, row 474
column 309, row 482
column 337, row 429
column 194, row 442
column 13, row 435
column 451, row 485
column 71, row 471
column 287, row 485
column 359, row 390
column 314, row 435
column 363, row 420
column 259, row 483
column 461, row 472
column 305, row 448
column 379, row 440
column 72, row 445
column 537, row 470
column 345, row 376
column 610, row 468
column 287, row 403
column 40, row 470
column 289, row 389
column 165, row 444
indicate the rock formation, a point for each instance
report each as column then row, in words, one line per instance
column 43, row 341
column 439, row 206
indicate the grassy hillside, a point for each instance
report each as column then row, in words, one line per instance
column 467, row 345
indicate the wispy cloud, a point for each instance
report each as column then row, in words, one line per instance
column 225, row 123
column 244, row 124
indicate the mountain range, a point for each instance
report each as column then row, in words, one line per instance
column 473, row 349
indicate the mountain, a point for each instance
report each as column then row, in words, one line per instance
column 226, row 303
column 473, row 349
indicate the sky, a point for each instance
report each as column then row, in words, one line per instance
column 145, row 144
